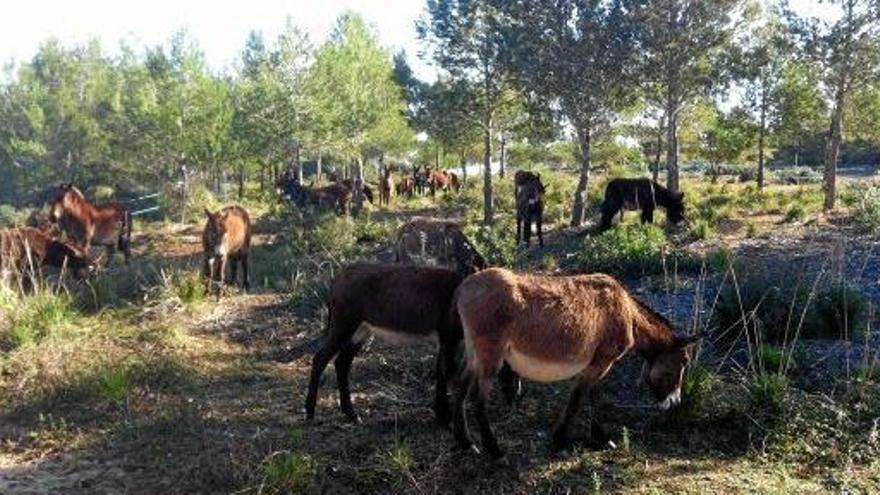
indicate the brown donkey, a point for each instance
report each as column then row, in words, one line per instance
column 227, row 236
column 386, row 187
column 107, row 225
column 397, row 303
column 555, row 328
column 23, row 249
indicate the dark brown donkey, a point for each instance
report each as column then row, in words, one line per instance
column 529, row 210
column 640, row 194
column 227, row 236
column 555, row 328
column 108, row 225
column 397, row 303
column 24, row 249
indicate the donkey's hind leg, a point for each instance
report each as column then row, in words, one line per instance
column 490, row 444
column 331, row 347
column 343, row 369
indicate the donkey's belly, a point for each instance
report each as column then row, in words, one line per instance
column 539, row 370
column 393, row 336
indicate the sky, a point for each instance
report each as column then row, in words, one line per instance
column 220, row 27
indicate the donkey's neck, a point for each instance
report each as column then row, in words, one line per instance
column 651, row 331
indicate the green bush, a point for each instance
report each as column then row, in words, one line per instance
column 28, row 320
column 775, row 303
column 769, row 359
column 867, row 208
column 625, row 250
column 290, row 472
column 697, row 390
column 767, row 393
column 840, row 310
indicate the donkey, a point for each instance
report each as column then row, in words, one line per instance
column 529, row 210
column 439, row 180
column 555, row 328
column 386, row 187
column 107, row 225
column 440, row 239
column 523, row 178
column 394, row 302
column 23, row 249
column 227, row 236
column 333, row 196
column 366, row 189
column 640, row 194
column 407, row 186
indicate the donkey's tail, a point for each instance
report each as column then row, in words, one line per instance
column 124, row 243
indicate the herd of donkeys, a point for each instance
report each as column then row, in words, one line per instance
column 539, row 327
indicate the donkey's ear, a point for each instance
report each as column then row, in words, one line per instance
column 208, row 212
column 680, row 195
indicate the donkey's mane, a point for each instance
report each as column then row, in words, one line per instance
column 653, row 315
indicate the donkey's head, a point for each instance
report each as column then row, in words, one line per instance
column 216, row 232
column 664, row 370
column 65, row 196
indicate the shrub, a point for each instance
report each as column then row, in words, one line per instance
column 767, row 393
column 496, row 242
column 769, row 359
column 867, row 208
column 840, row 310
column 794, row 214
column 28, row 320
column 762, row 302
column 697, row 390
column 700, row 229
column 290, row 472
column 625, row 250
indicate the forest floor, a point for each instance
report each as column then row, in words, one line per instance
column 207, row 397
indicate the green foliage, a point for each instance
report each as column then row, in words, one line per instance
column 769, row 359
column 767, row 393
column 697, row 390
column 290, row 472
column 625, row 250
column 867, row 208
column 840, row 311
column 778, row 305
column 113, row 383
column 28, row 320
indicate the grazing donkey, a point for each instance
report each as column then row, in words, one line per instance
column 394, row 302
column 107, row 225
column 640, row 194
column 529, row 210
column 555, row 328
column 23, row 249
column 227, row 236
column 440, row 239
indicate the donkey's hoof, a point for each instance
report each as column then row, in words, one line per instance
column 464, row 446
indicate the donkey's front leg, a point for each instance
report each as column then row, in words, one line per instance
column 588, row 380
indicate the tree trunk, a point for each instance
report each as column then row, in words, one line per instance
column 298, row 165
column 761, row 132
column 357, row 183
column 832, row 150
column 262, row 177
column 463, row 161
column 488, row 194
column 502, row 156
column 659, row 151
column 672, row 150
column 579, row 208
column 318, row 168
column 241, row 181
column 437, row 159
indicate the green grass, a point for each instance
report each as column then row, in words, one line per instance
column 28, row 320
column 625, row 250
column 290, row 472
